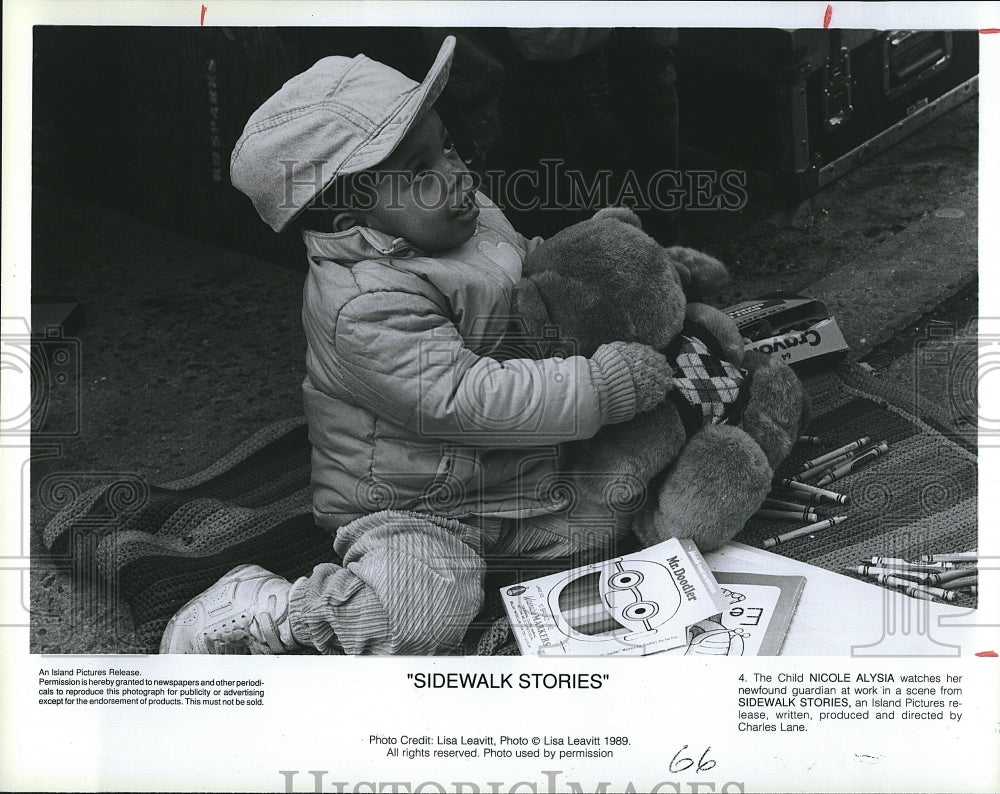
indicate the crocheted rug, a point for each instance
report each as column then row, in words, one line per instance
column 160, row 545
column 920, row 497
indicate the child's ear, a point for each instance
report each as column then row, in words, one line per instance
column 343, row 221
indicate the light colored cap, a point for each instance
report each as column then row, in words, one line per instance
column 340, row 116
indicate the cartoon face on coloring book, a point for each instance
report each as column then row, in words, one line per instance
column 621, row 600
column 628, row 601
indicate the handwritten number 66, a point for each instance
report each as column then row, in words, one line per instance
column 681, row 763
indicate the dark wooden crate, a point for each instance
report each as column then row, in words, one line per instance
column 801, row 107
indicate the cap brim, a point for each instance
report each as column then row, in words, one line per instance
column 409, row 115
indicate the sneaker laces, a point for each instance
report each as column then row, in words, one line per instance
column 232, row 641
column 238, row 639
column 270, row 641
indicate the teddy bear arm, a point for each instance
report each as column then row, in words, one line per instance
column 717, row 483
column 722, row 327
column 778, row 406
column 635, row 451
column 530, row 308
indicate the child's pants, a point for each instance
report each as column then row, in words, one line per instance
column 411, row 583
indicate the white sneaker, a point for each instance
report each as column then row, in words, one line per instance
column 246, row 611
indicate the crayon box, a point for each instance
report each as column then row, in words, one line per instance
column 797, row 329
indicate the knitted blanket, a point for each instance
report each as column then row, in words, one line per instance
column 157, row 545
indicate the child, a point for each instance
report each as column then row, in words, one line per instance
column 430, row 446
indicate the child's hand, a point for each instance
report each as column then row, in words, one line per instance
column 650, row 373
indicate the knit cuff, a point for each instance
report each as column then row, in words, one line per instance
column 300, row 599
column 615, row 385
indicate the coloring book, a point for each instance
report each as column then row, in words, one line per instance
column 635, row 604
column 756, row 620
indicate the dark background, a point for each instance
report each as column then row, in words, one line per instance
column 143, row 120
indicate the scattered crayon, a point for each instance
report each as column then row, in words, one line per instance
column 921, row 577
column 953, row 574
column 916, row 592
column 909, row 587
column 836, row 453
column 802, row 514
column 801, row 498
column 853, row 464
column 889, row 561
column 873, row 570
column 830, row 496
column 781, row 504
column 814, row 440
column 903, row 565
column 895, row 581
column 806, row 530
column 937, row 592
column 960, row 584
column 815, row 471
column 961, row 556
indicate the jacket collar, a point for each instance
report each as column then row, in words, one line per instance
column 355, row 245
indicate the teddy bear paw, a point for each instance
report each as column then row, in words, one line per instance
column 777, row 408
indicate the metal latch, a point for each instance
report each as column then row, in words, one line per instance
column 837, row 104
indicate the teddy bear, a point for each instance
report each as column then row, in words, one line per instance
column 706, row 456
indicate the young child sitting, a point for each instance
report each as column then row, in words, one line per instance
column 431, row 445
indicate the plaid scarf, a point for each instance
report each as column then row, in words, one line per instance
column 707, row 388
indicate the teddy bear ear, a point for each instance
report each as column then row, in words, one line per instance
column 623, row 214
column 700, row 273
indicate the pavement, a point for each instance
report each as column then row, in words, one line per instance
column 185, row 348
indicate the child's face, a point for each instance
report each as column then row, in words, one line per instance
column 422, row 192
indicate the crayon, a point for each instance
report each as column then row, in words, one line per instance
column 910, row 588
column 803, row 514
column 807, row 530
column 836, row 453
column 916, row 592
column 889, row 561
column 815, row 471
column 814, row 440
column 937, row 592
column 961, row 556
column 960, row 584
column 851, row 465
column 944, row 577
column 780, row 504
column 801, row 498
column 932, row 567
column 873, row 571
column 897, row 562
column 895, row 581
column 830, row 496
column 921, row 577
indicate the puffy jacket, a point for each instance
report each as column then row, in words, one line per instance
column 410, row 402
